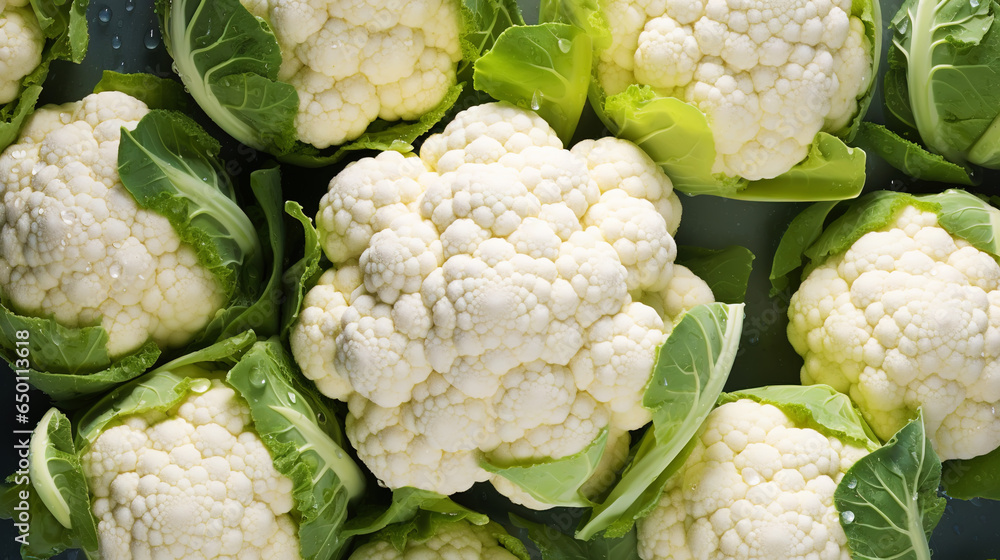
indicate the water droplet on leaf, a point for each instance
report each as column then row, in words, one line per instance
column 536, row 100
column 104, row 16
column 564, row 45
column 847, row 517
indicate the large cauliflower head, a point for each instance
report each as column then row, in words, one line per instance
column 192, row 482
column 488, row 298
column 768, row 74
column 908, row 318
column 75, row 246
column 460, row 540
column 21, row 44
column 755, row 486
column 352, row 62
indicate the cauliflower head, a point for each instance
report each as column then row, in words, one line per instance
column 906, row 318
column 755, row 486
column 192, row 482
column 460, row 540
column 75, row 246
column 21, row 44
column 768, row 74
column 490, row 299
column 353, row 62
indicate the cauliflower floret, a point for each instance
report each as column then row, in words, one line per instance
column 768, row 74
column 754, row 487
column 352, row 62
column 459, row 540
column 496, row 310
column 907, row 318
column 74, row 244
column 21, row 44
column 196, row 482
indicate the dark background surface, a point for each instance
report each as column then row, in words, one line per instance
column 125, row 37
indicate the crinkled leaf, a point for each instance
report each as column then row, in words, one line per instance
column 64, row 24
column 217, row 44
column 304, row 272
column 544, row 68
column 691, row 368
column 555, row 482
column 819, row 407
column 888, row 501
column 258, row 309
column 406, row 502
column 71, row 389
column 417, row 515
column 978, row 477
column 171, row 166
column 908, row 157
column 154, row 91
column 947, row 49
column 68, row 363
column 57, row 478
column 556, row 545
column 483, row 22
column 726, row 271
column 301, row 433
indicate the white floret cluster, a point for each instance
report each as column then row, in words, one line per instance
column 352, row 62
column 498, row 296
column 768, row 74
column 193, row 483
column 75, row 246
column 908, row 318
column 21, row 45
column 755, row 486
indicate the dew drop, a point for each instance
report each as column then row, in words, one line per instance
column 68, row 217
column 564, row 45
column 536, row 100
column 257, row 377
column 751, row 477
column 104, row 15
column 974, row 3
column 116, row 42
column 320, row 417
column 847, row 517
column 339, row 454
column 129, row 5
column 151, row 40
column 291, row 397
column 115, row 271
column 753, row 340
column 852, row 483
column 903, row 26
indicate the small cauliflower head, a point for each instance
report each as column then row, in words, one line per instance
column 755, row 486
column 354, row 61
column 21, row 44
column 488, row 299
column 907, row 318
column 768, row 74
column 75, row 246
column 192, row 482
column 460, row 540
